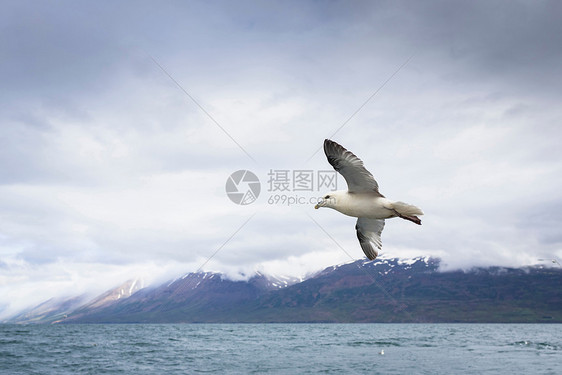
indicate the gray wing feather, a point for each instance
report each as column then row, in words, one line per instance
column 369, row 235
column 358, row 178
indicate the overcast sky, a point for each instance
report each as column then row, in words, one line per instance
column 109, row 170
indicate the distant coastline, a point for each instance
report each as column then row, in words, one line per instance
column 381, row 291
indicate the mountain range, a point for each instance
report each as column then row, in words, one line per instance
column 384, row 290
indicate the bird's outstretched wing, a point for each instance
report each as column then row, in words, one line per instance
column 369, row 235
column 351, row 168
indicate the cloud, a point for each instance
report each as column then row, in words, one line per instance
column 107, row 163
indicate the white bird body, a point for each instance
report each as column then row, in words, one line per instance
column 368, row 205
column 363, row 199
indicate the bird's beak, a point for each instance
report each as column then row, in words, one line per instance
column 320, row 204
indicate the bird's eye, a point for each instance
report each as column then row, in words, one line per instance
column 327, row 197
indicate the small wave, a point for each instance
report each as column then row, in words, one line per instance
column 537, row 345
column 372, row 343
column 82, row 345
column 10, row 341
column 20, row 332
column 10, row 355
column 547, row 346
column 426, row 346
column 141, row 344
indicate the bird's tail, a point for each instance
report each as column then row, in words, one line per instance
column 406, row 209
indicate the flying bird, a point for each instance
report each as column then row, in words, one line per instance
column 363, row 199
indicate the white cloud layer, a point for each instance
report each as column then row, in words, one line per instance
column 109, row 171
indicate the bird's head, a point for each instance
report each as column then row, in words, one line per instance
column 329, row 200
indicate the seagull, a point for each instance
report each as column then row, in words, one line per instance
column 363, row 199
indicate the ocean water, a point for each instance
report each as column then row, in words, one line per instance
column 282, row 349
